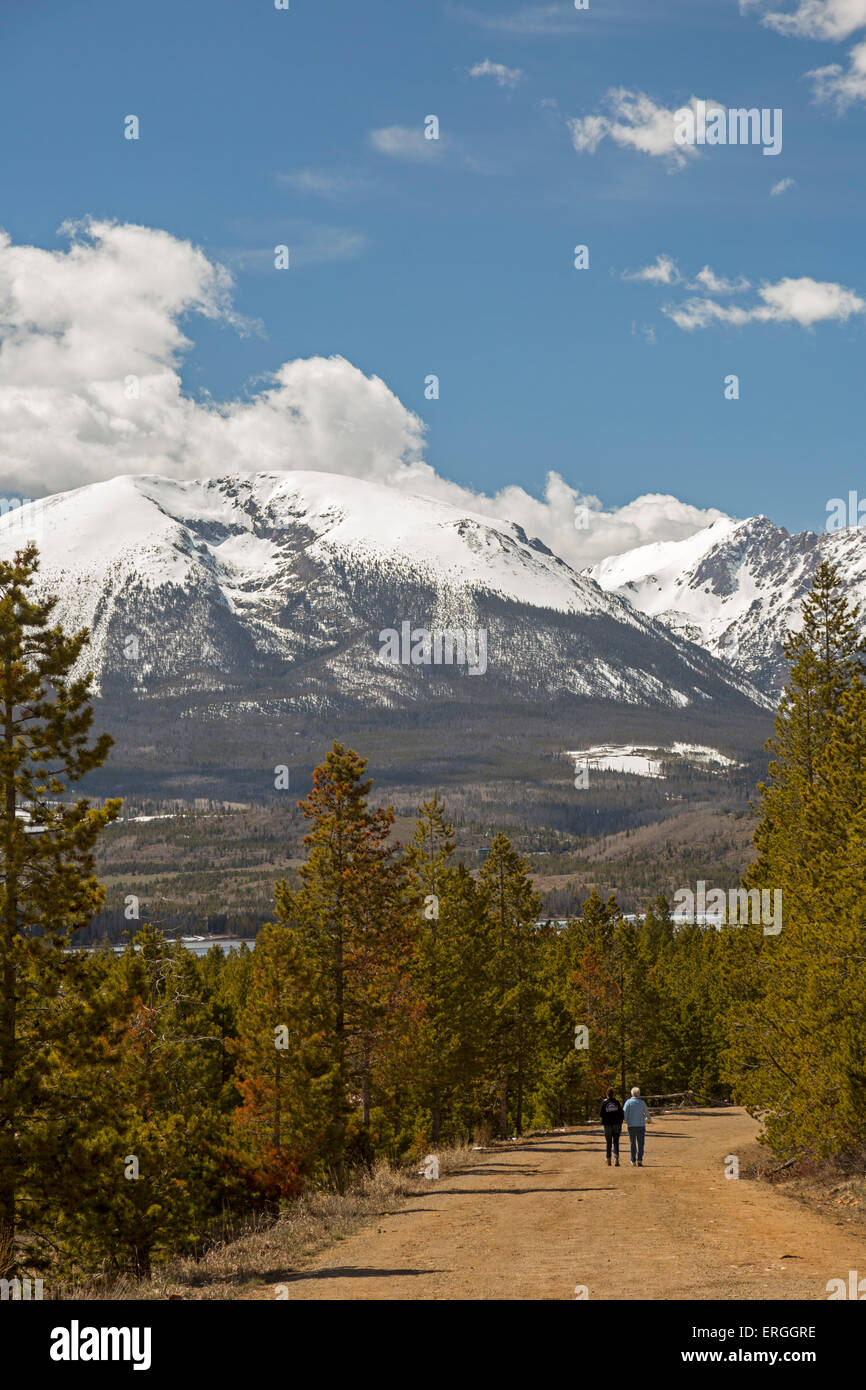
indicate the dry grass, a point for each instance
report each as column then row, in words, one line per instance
column 834, row 1187
column 269, row 1252
column 844, row 1201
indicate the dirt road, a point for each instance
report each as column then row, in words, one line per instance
column 538, row 1219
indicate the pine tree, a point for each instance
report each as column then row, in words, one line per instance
column 351, row 911
column 514, row 909
column 285, row 1074
column 651, row 1052
column 453, row 974
column 796, row 1040
column 141, row 1153
column 825, row 656
column 47, row 884
column 595, row 969
column 694, row 1008
column 556, row 1098
column 428, row 857
column 599, row 1006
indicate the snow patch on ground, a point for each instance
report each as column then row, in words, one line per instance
column 646, row 762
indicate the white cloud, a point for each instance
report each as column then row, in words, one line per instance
column 825, row 19
column 76, row 324
column 651, row 517
column 663, row 271
column 587, row 133
column 842, row 86
column 505, row 77
column 326, row 183
column 405, row 142
column 782, row 187
column 803, row 301
column 634, row 121
column 812, row 19
column 706, row 279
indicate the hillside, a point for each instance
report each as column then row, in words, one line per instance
column 736, row 587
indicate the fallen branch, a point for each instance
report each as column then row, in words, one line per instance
column 790, row 1163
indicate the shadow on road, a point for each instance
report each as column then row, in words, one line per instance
column 356, row 1272
column 664, row 1134
column 489, row 1170
column 516, row 1191
column 554, row 1148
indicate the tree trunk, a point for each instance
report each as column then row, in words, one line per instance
column 365, row 1092
column 8, row 1020
column 339, row 1117
column 622, row 1028
column 7, row 1081
column 277, row 1108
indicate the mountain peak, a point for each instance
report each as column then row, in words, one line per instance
column 286, row 579
column 735, row 587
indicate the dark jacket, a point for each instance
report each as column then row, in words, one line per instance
column 611, row 1112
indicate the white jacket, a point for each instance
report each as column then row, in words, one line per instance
column 636, row 1112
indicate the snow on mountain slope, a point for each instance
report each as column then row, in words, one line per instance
column 284, row 581
column 147, row 523
column 735, row 587
column 656, row 570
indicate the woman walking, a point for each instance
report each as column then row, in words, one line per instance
column 611, row 1118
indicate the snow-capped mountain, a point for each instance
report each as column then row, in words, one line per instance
column 279, row 586
column 735, row 587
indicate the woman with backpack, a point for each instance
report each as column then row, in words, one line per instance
column 611, row 1118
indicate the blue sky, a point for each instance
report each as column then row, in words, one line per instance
column 257, row 128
